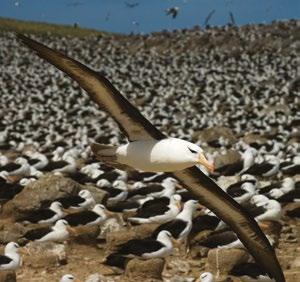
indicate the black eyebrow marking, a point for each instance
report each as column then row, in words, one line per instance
column 192, row 151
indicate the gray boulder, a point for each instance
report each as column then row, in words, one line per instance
column 46, row 189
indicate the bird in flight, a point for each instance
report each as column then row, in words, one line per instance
column 150, row 149
column 131, row 5
column 208, row 17
column 173, row 12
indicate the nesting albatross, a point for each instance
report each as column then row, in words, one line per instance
column 151, row 150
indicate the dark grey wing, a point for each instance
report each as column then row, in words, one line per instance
column 259, row 169
column 154, row 188
column 204, row 222
column 237, row 193
column 113, row 192
column 10, row 167
column 42, row 214
column 268, row 188
column 138, row 247
column 71, row 201
column 156, row 202
column 38, row 233
column 175, row 226
column 128, row 117
column 218, row 239
column 153, row 210
column 4, row 260
column 241, row 222
column 81, row 218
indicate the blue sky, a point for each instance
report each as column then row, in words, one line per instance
column 113, row 15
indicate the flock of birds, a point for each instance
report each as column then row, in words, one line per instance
column 49, row 126
column 172, row 11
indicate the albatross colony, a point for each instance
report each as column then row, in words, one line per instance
column 149, row 149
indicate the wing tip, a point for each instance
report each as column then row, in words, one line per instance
column 26, row 40
column 20, row 36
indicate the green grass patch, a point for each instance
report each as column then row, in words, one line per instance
column 42, row 28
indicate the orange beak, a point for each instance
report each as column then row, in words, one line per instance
column 24, row 251
column 203, row 161
column 110, row 214
column 178, row 204
column 72, row 230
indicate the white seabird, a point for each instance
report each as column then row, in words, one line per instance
column 155, row 190
column 83, row 200
column 95, row 216
column 118, row 191
column 147, row 248
column 57, row 233
column 206, row 277
column 49, row 215
column 271, row 211
column 11, row 259
column 158, row 213
column 181, row 226
column 69, row 278
column 159, row 152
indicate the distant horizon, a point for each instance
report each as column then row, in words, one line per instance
column 101, row 30
column 142, row 16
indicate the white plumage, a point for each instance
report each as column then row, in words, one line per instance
column 11, row 259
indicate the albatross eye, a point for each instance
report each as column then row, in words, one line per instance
column 192, row 151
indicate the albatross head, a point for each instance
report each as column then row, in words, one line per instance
column 193, row 154
column 56, row 206
column 69, row 278
column 60, row 225
column 175, row 200
column 202, row 160
column 164, row 236
column 101, row 210
column 207, row 277
column 11, row 247
column 192, row 205
column 86, row 194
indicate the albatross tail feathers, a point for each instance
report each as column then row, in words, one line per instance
column 106, row 153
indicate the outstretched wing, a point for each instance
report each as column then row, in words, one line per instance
column 241, row 222
column 128, row 117
column 138, row 127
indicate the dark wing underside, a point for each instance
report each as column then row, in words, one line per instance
column 241, row 222
column 137, row 127
column 130, row 120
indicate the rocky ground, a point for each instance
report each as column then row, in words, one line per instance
column 160, row 72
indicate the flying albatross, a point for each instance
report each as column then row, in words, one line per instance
column 151, row 150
